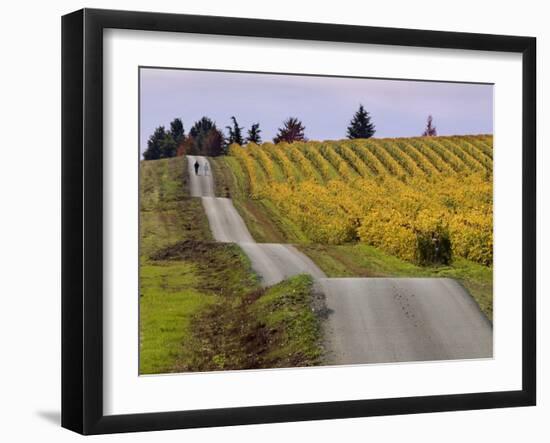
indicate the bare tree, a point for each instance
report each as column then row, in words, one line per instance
column 430, row 130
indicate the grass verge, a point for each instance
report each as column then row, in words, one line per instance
column 178, row 284
column 175, row 289
column 201, row 306
column 167, row 214
column 204, row 311
column 266, row 328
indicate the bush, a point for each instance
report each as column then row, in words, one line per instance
column 434, row 247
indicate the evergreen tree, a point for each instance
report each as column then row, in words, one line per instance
column 206, row 138
column 235, row 133
column 254, row 134
column 153, row 150
column 168, row 146
column 201, row 127
column 176, row 131
column 430, row 130
column 292, row 131
column 361, row 125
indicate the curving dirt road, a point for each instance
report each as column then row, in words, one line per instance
column 225, row 222
column 275, row 262
column 382, row 320
column 272, row 262
column 369, row 320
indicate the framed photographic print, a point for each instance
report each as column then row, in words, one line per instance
column 269, row 221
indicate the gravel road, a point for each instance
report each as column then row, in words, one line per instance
column 272, row 262
column 382, row 320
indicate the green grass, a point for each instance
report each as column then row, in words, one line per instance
column 164, row 227
column 223, row 267
column 361, row 260
column 182, row 272
column 285, row 310
column 167, row 214
column 163, row 183
column 178, row 285
column 168, row 303
column 266, row 328
column 201, row 306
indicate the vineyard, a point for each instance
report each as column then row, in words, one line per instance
column 401, row 195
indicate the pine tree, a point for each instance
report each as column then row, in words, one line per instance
column 153, row 150
column 292, row 131
column 206, row 138
column 176, row 131
column 254, row 134
column 168, row 146
column 201, row 127
column 430, row 130
column 235, row 133
column 361, row 125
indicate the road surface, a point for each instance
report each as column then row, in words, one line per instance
column 201, row 184
column 382, row 320
column 369, row 320
column 272, row 262
column 275, row 262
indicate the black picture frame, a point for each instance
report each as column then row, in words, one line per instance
column 82, row 218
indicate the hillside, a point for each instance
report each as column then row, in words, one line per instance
column 395, row 194
column 361, row 208
column 201, row 305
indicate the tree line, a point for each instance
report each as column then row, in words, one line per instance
column 205, row 138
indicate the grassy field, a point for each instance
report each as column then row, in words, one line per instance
column 178, row 284
column 250, row 177
column 201, row 306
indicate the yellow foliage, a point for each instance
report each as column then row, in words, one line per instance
column 385, row 193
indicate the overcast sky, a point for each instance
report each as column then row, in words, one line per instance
column 325, row 105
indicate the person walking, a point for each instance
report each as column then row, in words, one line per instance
column 196, row 167
column 205, row 168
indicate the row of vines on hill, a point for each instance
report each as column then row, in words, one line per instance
column 395, row 194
